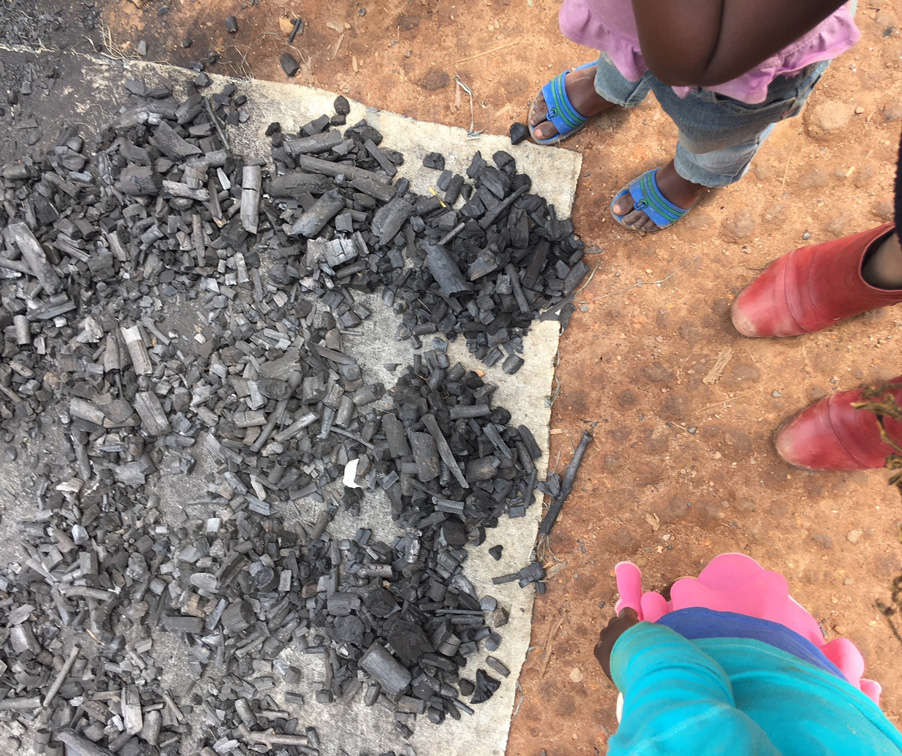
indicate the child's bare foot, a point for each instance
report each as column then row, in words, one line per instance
column 674, row 187
column 580, row 86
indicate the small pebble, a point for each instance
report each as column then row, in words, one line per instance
column 142, row 48
column 806, row 236
column 231, row 24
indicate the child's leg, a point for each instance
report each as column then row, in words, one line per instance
column 719, row 136
column 592, row 90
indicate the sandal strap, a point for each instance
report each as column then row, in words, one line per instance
column 561, row 112
column 647, row 197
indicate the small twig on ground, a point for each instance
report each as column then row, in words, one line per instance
column 728, row 400
column 549, row 643
column 219, row 130
column 520, row 701
column 788, row 161
column 640, row 283
column 589, row 279
column 471, row 132
column 489, row 52
column 243, row 68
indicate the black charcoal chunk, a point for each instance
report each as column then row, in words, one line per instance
column 519, row 132
column 485, row 687
column 434, row 160
column 289, row 65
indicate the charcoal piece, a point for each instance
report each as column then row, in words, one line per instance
column 443, row 180
column 297, row 183
column 375, row 189
column 445, row 271
column 408, row 641
column 482, row 469
column 20, row 235
column 341, row 106
column 532, row 445
column 389, row 218
column 134, row 342
column 237, row 617
column 231, row 25
column 494, row 213
column 251, row 179
column 381, row 602
column 512, row 364
column 486, row 262
column 577, row 273
column 497, row 666
column 316, row 165
column 179, row 624
column 454, row 532
column 76, row 745
column 316, row 125
column 500, row 617
column 379, row 156
column 467, row 687
column 425, row 455
column 520, row 297
column 444, row 449
column 395, row 435
column 312, row 145
column 492, row 643
column 495, row 551
column 149, row 409
column 171, row 144
column 315, row 219
column 566, row 486
column 289, row 64
column 454, row 188
column 272, row 388
column 536, row 263
column 434, row 160
column 485, row 687
column 391, row 676
column 518, row 132
column 469, row 411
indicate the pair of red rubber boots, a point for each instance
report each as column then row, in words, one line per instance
column 805, row 291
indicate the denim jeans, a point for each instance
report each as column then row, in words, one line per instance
column 719, row 136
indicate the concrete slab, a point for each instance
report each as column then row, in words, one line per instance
column 90, row 91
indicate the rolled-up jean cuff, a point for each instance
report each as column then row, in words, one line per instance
column 616, row 88
column 721, row 167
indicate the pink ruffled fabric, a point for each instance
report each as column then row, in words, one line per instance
column 737, row 583
column 610, row 26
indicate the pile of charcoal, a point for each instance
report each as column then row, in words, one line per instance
column 174, row 320
column 484, row 271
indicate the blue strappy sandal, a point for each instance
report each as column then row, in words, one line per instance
column 647, row 197
column 566, row 119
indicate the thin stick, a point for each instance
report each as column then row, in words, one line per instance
column 61, row 677
column 567, row 486
column 727, row 400
column 222, row 136
column 489, row 52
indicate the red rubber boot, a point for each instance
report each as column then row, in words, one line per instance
column 812, row 288
column 832, row 435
